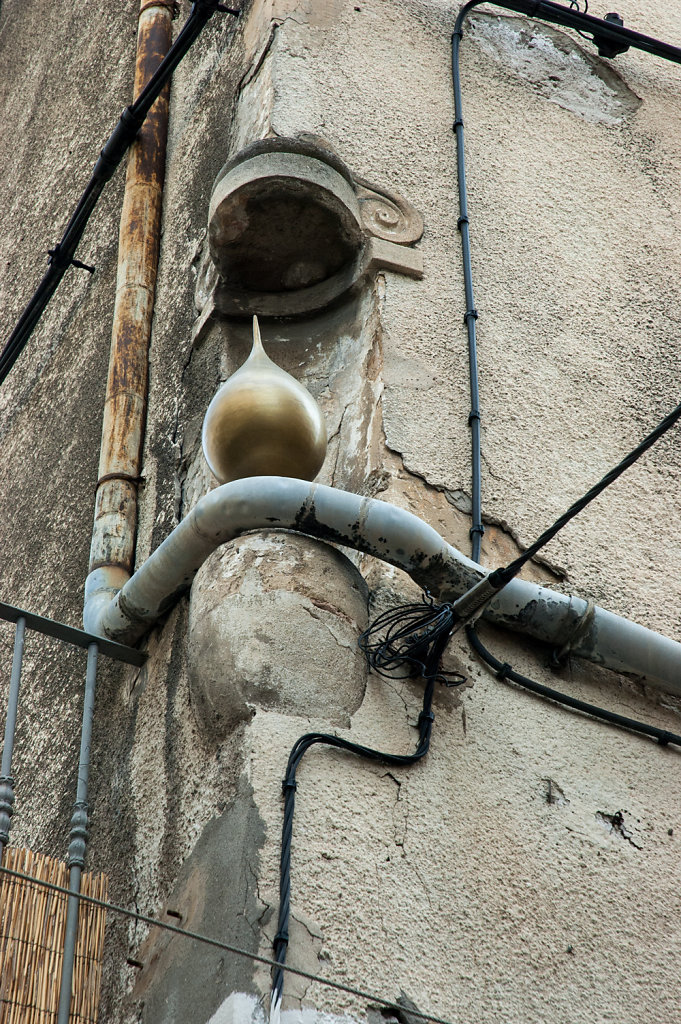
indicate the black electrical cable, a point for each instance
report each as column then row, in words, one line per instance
column 568, row 17
column 416, row 638
column 131, row 120
column 418, row 646
column 505, row 672
column 601, row 30
column 500, row 577
column 471, row 315
column 506, row 574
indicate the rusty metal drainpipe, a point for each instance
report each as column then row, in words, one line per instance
column 112, row 553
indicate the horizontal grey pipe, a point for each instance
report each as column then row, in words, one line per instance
column 387, row 532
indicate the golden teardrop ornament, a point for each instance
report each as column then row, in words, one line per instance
column 263, row 422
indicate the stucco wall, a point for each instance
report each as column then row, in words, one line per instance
column 527, row 869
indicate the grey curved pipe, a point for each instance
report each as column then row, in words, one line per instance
column 387, row 532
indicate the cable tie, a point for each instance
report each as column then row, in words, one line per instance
column 426, row 715
column 281, row 936
column 55, row 256
column 460, row 221
column 130, row 120
column 473, row 415
column 289, row 784
column 82, row 266
column 476, row 529
column 503, row 671
column 471, row 314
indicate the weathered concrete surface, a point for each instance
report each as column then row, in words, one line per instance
column 272, row 619
column 216, row 894
column 527, row 869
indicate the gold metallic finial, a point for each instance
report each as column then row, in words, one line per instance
column 263, row 422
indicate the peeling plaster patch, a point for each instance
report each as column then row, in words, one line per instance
column 460, row 500
column 556, row 67
column 401, row 1013
column 615, row 825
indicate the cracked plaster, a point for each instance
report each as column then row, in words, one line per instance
column 496, row 902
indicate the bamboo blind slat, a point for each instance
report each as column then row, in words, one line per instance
column 32, row 925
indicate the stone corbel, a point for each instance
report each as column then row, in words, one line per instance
column 291, row 230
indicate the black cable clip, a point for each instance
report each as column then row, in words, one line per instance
column 503, row 671
column 459, row 121
column 289, row 784
column 470, row 314
column 476, row 529
column 281, row 936
column 460, row 221
column 473, row 415
column 665, row 738
column 426, row 716
column 55, row 256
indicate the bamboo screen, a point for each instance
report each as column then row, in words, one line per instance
column 32, row 923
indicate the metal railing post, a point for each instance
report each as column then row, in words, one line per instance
column 79, row 838
column 6, row 780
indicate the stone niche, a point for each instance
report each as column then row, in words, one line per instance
column 273, row 623
column 291, row 230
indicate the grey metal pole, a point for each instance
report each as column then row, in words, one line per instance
column 79, row 838
column 6, row 780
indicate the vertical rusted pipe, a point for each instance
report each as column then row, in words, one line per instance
column 112, row 553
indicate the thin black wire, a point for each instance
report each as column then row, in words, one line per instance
column 218, row 944
column 505, row 672
column 502, row 576
column 574, row 6
column 429, row 632
column 123, row 135
column 402, row 637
